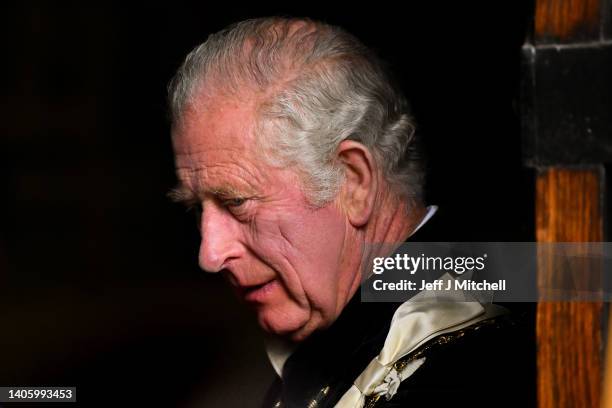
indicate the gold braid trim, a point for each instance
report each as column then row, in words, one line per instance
column 423, row 351
column 433, row 344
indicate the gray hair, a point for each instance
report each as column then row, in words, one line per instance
column 319, row 86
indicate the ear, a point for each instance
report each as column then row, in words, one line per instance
column 360, row 182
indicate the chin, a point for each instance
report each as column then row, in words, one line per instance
column 290, row 323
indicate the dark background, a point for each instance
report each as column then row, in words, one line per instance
column 99, row 284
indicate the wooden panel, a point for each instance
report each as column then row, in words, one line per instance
column 564, row 21
column 607, row 383
column 569, row 209
column 566, row 104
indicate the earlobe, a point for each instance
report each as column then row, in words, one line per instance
column 360, row 182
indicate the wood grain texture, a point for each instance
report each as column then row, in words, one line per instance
column 569, row 209
column 607, row 383
column 564, row 21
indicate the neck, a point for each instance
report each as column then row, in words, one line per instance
column 393, row 221
column 397, row 221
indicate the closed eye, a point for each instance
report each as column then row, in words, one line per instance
column 239, row 207
column 234, row 202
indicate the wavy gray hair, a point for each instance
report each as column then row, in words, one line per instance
column 319, row 86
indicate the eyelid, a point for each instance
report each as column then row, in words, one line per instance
column 234, row 202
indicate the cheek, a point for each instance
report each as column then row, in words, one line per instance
column 314, row 243
column 303, row 248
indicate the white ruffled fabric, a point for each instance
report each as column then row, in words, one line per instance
column 425, row 316
column 392, row 381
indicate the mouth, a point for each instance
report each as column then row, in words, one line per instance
column 258, row 293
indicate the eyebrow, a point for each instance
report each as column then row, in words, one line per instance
column 184, row 195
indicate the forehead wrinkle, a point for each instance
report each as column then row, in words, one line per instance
column 232, row 182
column 214, row 148
column 195, row 160
column 218, row 118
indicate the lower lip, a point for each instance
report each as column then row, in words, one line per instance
column 261, row 293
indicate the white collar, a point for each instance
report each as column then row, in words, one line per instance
column 279, row 349
column 431, row 210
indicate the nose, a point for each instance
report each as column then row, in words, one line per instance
column 219, row 242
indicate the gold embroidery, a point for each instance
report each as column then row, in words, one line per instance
column 421, row 352
column 371, row 401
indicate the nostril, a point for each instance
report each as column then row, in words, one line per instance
column 227, row 274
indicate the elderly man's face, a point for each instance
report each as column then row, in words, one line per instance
column 280, row 254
